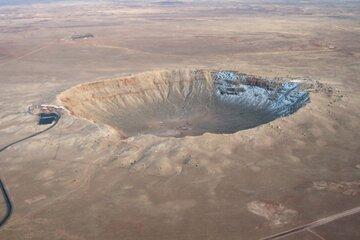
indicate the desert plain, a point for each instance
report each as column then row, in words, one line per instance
column 84, row 179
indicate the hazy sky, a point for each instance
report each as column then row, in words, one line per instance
column 13, row 2
column 16, row 2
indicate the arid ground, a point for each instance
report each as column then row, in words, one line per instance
column 83, row 180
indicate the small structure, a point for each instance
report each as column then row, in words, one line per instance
column 82, row 36
column 48, row 118
column 47, row 113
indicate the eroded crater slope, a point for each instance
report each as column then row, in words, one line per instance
column 184, row 102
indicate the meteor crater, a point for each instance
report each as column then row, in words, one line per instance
column 182, row 103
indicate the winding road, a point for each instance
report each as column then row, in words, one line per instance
column 6, row 196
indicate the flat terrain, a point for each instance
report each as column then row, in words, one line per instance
column 80, row 180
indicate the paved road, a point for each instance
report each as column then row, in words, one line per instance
column 314, row 224
column 6, row 196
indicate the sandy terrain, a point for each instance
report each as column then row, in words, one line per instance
column 82, row 180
